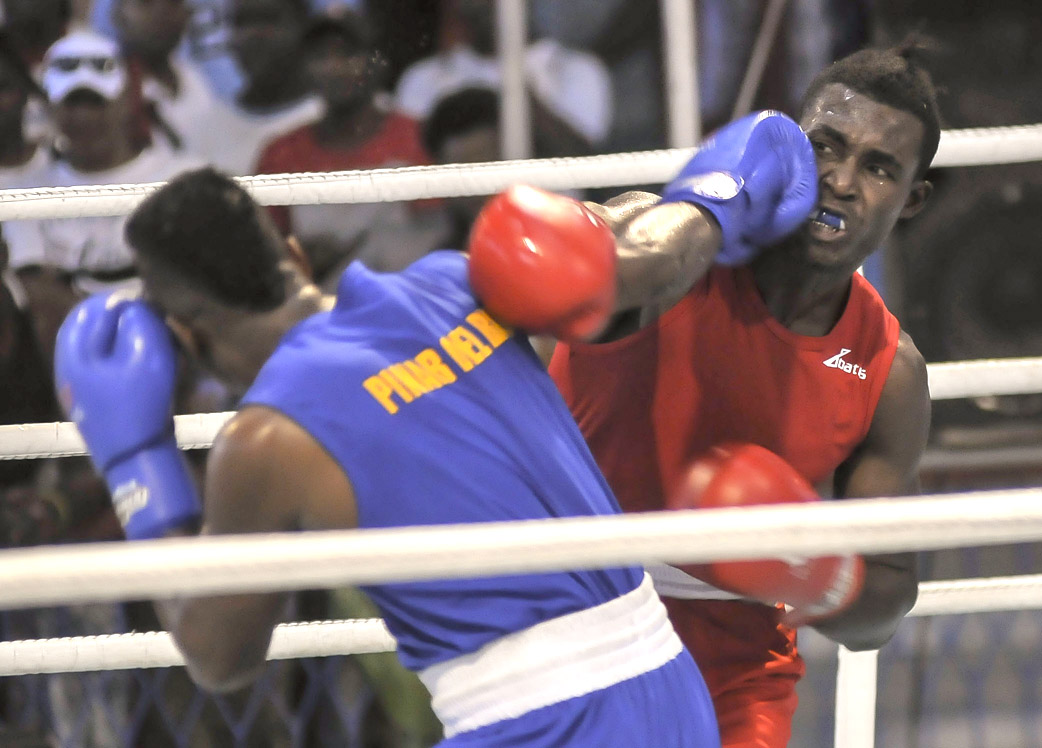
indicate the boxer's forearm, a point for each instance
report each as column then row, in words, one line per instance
column 224, row 639
column 662, row 252
column 890, row 590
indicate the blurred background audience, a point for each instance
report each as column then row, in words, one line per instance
column 570, row 89
column 34, row 25
column 463, row 129
column 359, row 130
column 181, row 101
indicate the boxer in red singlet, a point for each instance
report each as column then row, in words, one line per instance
column 780, row 344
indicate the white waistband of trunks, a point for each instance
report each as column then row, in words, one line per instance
column 553, row 661
column 676, row 583
column 679, row 585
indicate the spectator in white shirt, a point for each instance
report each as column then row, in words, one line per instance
column 207, row 46
column 276, row 96
column 149, row 32
column 571, row 90
column 272, row 100
column 103, row 138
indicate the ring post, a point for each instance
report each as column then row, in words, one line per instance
column 856, row 699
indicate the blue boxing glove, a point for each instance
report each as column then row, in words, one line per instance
column 115, row 368
column 757, row 176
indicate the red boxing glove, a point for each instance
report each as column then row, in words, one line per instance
column 543, row 263
column 735, row 475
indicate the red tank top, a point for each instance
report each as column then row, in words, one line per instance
column 718, row 367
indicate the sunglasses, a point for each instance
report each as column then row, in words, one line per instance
column 98, row 64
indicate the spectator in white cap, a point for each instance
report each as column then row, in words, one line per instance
column 103, row 137
column 86, row 84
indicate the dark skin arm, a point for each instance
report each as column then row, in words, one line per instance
column 886, row 464
column 265, row 474
column 662, row 249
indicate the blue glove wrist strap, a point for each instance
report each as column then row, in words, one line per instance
column 152, row 491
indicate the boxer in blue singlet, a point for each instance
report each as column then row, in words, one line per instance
column 400, row 402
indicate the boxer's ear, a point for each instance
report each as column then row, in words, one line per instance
column 917, row 198
column 186, row 337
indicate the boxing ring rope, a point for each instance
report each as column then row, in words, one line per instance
column 968, row 147
column 948, row 381
column 362, row 636
column 120, row 571
column 81, row 654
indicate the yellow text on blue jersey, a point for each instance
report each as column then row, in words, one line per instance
column 466, row 346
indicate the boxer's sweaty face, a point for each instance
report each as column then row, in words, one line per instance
column 868, row 159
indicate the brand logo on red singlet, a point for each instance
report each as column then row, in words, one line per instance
column 837, row 362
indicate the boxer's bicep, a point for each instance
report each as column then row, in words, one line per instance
column 267, row 474
column 887, row 462
column 252, row 482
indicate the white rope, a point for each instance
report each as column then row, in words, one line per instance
column 947, row 381
column 983, row 146
column 35, row 440
column 330, row 638
column 330, row 559
column 979, row 596
column 81, row 654
column 378, row 185
column 1001, row 376
column 856, row 682
column 999, row 145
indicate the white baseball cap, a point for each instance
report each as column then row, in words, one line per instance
column 83, row 59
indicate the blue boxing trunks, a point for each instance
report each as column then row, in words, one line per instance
column 612, row 675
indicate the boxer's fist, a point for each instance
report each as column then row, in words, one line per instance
column 759, row 179
column 737, row 475
column 115, row 368
column 543, row 263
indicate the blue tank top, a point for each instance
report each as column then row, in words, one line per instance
column 438, row 415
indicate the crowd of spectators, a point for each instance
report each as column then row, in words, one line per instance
column 130, row 91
